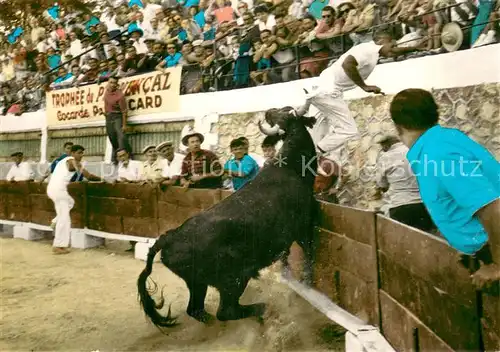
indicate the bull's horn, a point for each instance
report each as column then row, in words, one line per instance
column 270, row 131
column 304, row 108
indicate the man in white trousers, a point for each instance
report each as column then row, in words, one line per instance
column 57, row 190
column 335, row 124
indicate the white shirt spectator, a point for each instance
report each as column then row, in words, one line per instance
column 75, row 47
column 297, row 9
column 152, row 34
column 270, row 23
column 42, row 46
column 140, row 46
column 110, row 22
column 334, row 78
column 85, row 57
column 174, row 168
column 21, row 172
column 131, row 172
column 150, row 11
column 284, row 56
column 64, row 56
column 394, row 172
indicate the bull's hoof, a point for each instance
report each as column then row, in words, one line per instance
column 202, row 316
column 242, row 312
column 258, row 309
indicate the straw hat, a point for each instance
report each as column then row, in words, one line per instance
column 452, row 36
column 192, row 133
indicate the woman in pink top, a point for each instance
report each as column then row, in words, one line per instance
column 222, row 11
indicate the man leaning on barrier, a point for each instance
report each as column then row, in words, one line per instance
column 459, row 182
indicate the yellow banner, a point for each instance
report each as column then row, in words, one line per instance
column 145, row 94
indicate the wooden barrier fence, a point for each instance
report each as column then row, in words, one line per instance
column 407, row 282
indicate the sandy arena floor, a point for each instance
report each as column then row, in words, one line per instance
column 87, row 301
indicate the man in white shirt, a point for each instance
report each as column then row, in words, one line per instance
column 128, row 170
column 395, row 178
column 265, row 20
column 21, row 170
column 348, row 72
column 171, row 163
column 57, row 190
column 75, row 46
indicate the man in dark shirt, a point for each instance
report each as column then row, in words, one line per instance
column 149, row 62
column 115, row 108
column 200, row 168
column 130, row 67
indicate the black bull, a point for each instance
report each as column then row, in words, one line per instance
column 226, row 245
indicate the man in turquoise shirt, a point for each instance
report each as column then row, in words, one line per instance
column 242, row 168
column 459, row 181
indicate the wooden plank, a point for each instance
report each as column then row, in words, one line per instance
column 455, row 321
column 19, row 188
column 38, row 188
column 354, row 223
column 491, row 318
column 105, row 223
column 167, row 220
column 191, row 198
column 358, row 297
column 425, row 256
column 325, row 275
column 122, row 207
column 120, row 190
column 42, row 217
column 352, row 256
column 3, row 199
column 22, row 214
column 141, row 227
column 41, row 202
column 78, row 220
column 398, row 325
column 224, row 193
column 18, row 201
column 174, row 215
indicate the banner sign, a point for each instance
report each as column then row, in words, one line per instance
column 145, row 94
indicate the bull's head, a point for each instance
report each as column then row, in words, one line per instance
column 276, row 120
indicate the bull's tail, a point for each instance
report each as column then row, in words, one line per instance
column 149, row 306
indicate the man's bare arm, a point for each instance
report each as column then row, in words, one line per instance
column 350, row 66
column 74, row 166
column 490, row 218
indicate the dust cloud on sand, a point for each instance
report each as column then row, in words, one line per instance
column 87, row 301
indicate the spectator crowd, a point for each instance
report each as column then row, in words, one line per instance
column 219, row 44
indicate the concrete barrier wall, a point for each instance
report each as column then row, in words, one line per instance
column 405, row 281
